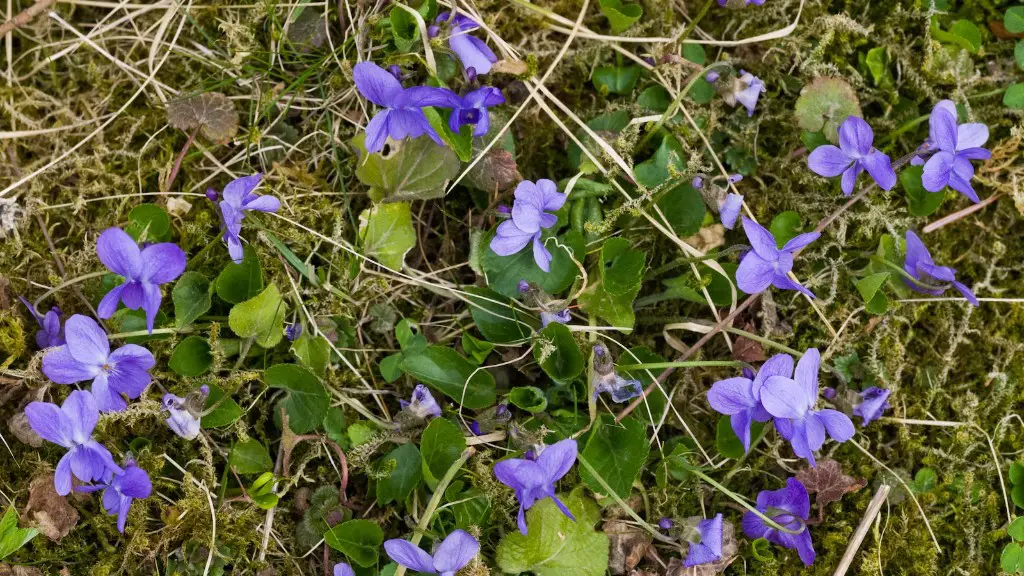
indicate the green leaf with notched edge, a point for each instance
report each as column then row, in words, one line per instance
column 387, row 234
column 417, row 169
column 191, row 357
column 191, row 297
column 441, row 445
column 870, row 288
column 1012, row 558
column 307, row 400
column 445, row 370
column 557, row 352
column 250, row 457
column 617, row 452
column 406, row 469
column 556, row 545
column 359, row 540
column 240, row 282
column 261, row 318
column 668, row 159
column 617, row 283
column 505, row 272
column 218, row 410
column 620, row 15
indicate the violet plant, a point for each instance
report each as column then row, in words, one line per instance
column 767, row 265
column 531, row 214
column 534, row 478
column 454, row 552
column 239, row 198
column 121, row 489
column 789, row 507
column 143, row 269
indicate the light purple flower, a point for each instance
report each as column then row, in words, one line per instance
column 422, row 404
column 143, row 270
column 71, row 426
column 873, row 402
column 745, row 90
column 119, row 490
column 740, row 397
column 919, row 264
column 788, row 507
column 185, row 414
column 51, row 333
column 343, row 569
column 535, row 479
column 292, row 331
column 531, row 213
column 791, row 402
column 561, row 317
column 455, row 551
column 606, row 380
column 697, row 182
column 472, row 51
column 239, row 198
column 748, row 2
column 711, row 77
column 957, row 145
column 402, row 116
column 472, row 110
column 729, row 211
column 766, row 265
column 709, row 549
column 87, row 356
column 853, row 156
column 666, row 523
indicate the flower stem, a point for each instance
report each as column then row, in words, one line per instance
column 71, row 282
column 625, row 507
column 875, row 258
column 155, row 331
column 765, row 341
column 738, row 499
column 181, row 157
column 685, row 364
column 696, row 20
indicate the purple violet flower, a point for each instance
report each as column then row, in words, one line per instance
column 185, row 414
column 212, row 195
column 873, row 402
column 87, row 356
column 343, row 569
column 455, row 551
column 711, row 77
column 791, row 402
column 239, row 199
column 562, row 317
column 697, row 182
column 402, row 116
column 729, row 211
column 745, row 90
column 788, row 507
column 920, row 265
column 119, row 490
column 740, row 397
column 709, row 549
column 531, row 212
column 51, row 333
column 853, row 156
column 472, row 110
column 666, row 523
column 292, row 331
column 71, row 426
column 766, row 265
column 606, row 379
column 958, row 145
column 144, row 270
column 422, row 404
column 535, row 479
column 472, row 51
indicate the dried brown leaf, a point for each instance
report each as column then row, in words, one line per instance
column 747, row 350
column 49, row 511
column 18, row 425
column 628, row 545
column 496, row 172
column 828, row 483
column 211, row 112
column 8, row 570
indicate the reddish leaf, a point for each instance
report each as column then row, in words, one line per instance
column 828, row 483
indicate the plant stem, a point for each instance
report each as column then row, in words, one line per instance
column 696, row 20
column 685, row 364
column 184, row 330
column 181, row 156
column 878, row 260
column 625, row 507
column 736, row 497
column 765, row 341
column 71, row 282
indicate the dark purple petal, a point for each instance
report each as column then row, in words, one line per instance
column 455, row 551
column 129, row 373
column 108, row 305
column 966, row 292
column 557, row 459
column 778, row 365
column 561, row 506
column 740, row 423
column 62, row 475
column 761, row 240
column 119, row 253
column 87, row 342
column 753, row 526
column 527, row 216
column 61, row 367
column 855, row 137
column 50, row 423
column 134, row 482
column 107, row 399
column 122, row 513
column 917, row 253
column 409, row 555
column 80, row 410
column 709, row 549
column 874, row 401
column 879, row 167
column 133, row 295
column 87, row 463
column 551, row 199
column 162, row 263
column 376, row 84
column 974, row 154
column 420, row 96
column 754, row 274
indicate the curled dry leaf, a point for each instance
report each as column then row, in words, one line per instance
column 48, row 511
column 628, row 543
column 514, row 67
column 496, row 171
column 18, row 425
column 828, row 483
column 211, row 112
column 747, row 350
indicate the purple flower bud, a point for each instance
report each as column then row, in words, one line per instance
column 748, row 373
column 734, row 178
column 212, row 195
column 697, row 182
column 523, row 286
column 874, row 401
column 471, row 74
column 396, row 71
column 829, row 393
column 712, row 76
column 293, row 331
column 474, row 427
column 666, row 523
column 503, row 209
column 433, row 30
column 649, row 60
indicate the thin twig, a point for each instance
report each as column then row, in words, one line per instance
column 25, row 16
column 862, row 530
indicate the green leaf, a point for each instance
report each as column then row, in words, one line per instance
column 496, row 318
column 334, row 425
column 1016, row 529
column 447, row 371
column 307, row 400
column 620, row 16
column 476, row 350
column 555, row 545
column 824, row 104
column 877, row 63
column 655, row 99
column 612, row 291
column 226, row 411
column 191, row 357
column 360, row 432
column 391, row 367
column 1012, row 558
column 920, row 202
column 406, row 472
column 1016, row 473
column 924, row 481
column 360, row 540
column 683, row 207
column 785, row 226
column 387, row 234
column 654, row 404
column 250, row 457
column 461, row 142
column 191, row 296
column 1014, row 96
column 617, row 453
column 616, row 79
column 870, row 285
column 812, row 139
column 148, row 223
column 666, row 163
column 441, row 444
column 610, row 122
column 1014, row 20
column 968, row 31
column 13, row 538
column 1017, row 495
column 293, row 259
column 313, row 352
column 240, row 282
column 125, row 320
column 505, row 272
column 416, row 169
column 528, row 398
column 557, row 352
column 695, row 53
column 1018, row 54
column 761, row 549
column 261, row 318
column 728, row 443
column 404, row 29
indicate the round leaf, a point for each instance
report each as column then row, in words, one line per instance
column 360, row 540
column 191, row 357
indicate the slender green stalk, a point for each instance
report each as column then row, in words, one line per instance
column 736, row 497
column 696, row 20
column 71, row 282
column 625, row 507
column 739, row 462
column 686, row 364
column 135, row 333
column 904, row 273
column 765, row 341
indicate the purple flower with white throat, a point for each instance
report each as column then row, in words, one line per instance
column 873, row 402
column 87, row 356
column 239, row 198
column 958, row 145
column 792, row 401
column 789, row 508
column 709, row 548
column 185, row 414
column 402, row 116
column 729, row 211
column 919, row 264
column 144, row 270
column 854, row 155
column 531, row 213
column 561, row 317
column 455, row 551
column 422, row 404
column 766, row 265
column 119, row 490
column 472, row 110
column 51, row 333
column 740, row 397
column 71, row 426
column 472, row 51
column 606, row 380
column 745, row 90
column 534, row 479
